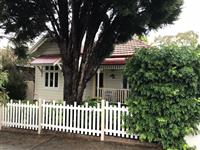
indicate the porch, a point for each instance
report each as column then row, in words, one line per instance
column 111, row 85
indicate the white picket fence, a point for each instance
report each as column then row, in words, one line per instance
column 104, row 119
column 20, row 115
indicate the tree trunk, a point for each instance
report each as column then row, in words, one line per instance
column 73, row 87
column 72, row 80
column 80, row 93
column 81, row 87
column 68, row 72
column 69, row 96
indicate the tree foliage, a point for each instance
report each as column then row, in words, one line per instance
column 20, row 49
column 15, row 86
column 94, row 24
column 189, row 39
column 164, row 105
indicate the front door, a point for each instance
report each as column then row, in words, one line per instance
column 101, row 76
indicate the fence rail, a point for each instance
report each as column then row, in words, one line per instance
column 80, row 119
column 116, row 95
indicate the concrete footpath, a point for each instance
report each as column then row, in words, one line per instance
column 193, row 140
column 10, row 140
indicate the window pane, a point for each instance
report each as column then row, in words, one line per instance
column 46, row 67
column 56, row 80
column 125, row 83
column 56, row 67
column 51, row 68
column 51, row 79
column 46, row 78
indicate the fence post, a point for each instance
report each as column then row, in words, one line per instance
column 39, row 116
column 1, row 115
column 102, row 119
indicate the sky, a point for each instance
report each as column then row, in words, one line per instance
column 188, row 20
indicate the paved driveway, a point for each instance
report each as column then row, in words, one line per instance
column 31, row 141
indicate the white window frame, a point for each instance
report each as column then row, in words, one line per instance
column 49, row 72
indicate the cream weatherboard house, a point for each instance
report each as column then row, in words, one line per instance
column 108, row 83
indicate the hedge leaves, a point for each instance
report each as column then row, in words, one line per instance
column 164, row 104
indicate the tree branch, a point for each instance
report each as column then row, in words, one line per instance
column 50, row 14
column 63, row 15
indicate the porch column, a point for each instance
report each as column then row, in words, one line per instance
column 98, row 79
column 1, row 115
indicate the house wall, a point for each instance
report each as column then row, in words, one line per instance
column 46, row 93
column 42, row 92
column 30, row 89
column 90, row 89
column 115, row 83
column 48, row 48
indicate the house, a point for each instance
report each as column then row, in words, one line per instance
column 108, row 83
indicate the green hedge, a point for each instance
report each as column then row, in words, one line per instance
column 164, row 104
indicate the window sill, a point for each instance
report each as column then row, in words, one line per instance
column 52, row 88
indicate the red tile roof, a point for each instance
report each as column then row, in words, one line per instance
column 123, row 51
column 128, row 48
column 120, row 54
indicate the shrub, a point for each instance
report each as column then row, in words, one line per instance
column 164, row 104
column 92, row 101
column 16, row 85
column 3, row 93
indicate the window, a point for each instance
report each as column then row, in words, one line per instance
column 51, row 76
column 125, row 83
column 100, row 80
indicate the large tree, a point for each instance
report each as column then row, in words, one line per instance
column 188, row 39
column 86, row 28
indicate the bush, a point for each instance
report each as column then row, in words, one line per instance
column 3, row 93
column 164, row 105
column 92, row 101
column 16, row 85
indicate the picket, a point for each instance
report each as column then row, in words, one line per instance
column 20, row 115
column 98, row 118
column 81, row 119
